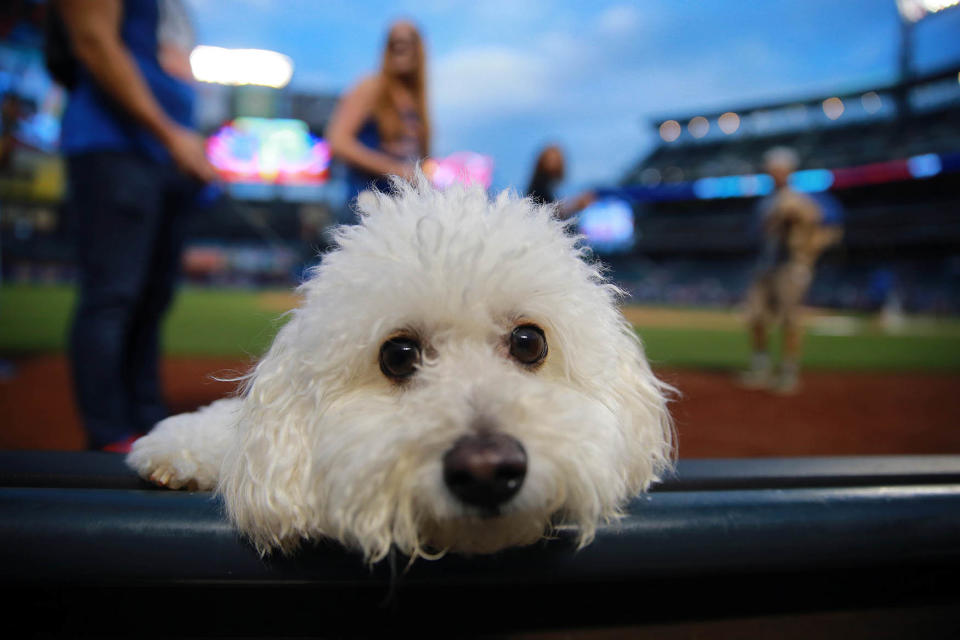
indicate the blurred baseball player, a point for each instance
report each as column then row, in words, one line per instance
column 795, row 232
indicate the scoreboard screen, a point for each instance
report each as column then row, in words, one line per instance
column 269, row 151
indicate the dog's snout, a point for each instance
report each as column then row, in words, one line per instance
column 485, row 469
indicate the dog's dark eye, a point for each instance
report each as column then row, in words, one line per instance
column 528, row 344
column 399, row 357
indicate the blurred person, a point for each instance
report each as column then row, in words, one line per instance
column 11, row 112
column 381, row 127
column 135, row 166
column 794, row 234
column 548, row 172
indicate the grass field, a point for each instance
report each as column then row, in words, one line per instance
column 237, row 323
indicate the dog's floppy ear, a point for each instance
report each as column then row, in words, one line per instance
column 265, row 478
column 644, row 410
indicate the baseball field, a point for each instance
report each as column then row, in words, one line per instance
column 871, row 384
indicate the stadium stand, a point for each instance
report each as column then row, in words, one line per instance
column 892, row 168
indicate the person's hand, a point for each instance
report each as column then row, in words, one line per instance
column 584, row 200
column 405, row 170
column 189, row 153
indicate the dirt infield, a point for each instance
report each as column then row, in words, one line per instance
column 835, row 414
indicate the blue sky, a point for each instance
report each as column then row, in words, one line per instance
column 508, row 76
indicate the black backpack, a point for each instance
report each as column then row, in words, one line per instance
column 61, row 63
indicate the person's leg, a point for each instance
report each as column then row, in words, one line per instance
column 114, row 201
column 790, row 364
column 143, row 375
column 758, row 312
column 792, row 284
column 758, row 335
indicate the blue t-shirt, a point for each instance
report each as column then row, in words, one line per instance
column 94, row 122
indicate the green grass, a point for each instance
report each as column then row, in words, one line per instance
column 698, row 348
column 201, row 322
column 236, row 324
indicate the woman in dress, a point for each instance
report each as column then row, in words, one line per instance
column 381, row 127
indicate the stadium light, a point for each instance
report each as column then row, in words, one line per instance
column 698, row 127
column 916, row 10
column 241, row 66
column 871, row 102
column 729, row 122
column 833, row 108
column 670, row 130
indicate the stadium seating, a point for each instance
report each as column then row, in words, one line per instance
column 701, row 249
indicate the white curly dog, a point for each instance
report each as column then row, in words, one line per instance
column 457, row 378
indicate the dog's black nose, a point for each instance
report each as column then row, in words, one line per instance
column 485, row 469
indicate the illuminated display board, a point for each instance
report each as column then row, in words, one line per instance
column 465, row 167
column 608, row 225
column 269, row 151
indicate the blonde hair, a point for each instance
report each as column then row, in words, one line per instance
column 385, row 109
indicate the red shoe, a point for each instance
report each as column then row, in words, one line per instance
column 122, row 446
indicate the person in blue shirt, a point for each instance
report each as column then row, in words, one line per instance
column 134, row 167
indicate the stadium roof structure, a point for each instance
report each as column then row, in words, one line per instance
column 834, row 131
column 866, row 96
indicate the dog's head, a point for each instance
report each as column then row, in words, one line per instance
column 458, row 378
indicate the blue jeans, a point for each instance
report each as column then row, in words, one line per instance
column 129, row 214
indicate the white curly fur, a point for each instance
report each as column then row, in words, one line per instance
column 320, row 444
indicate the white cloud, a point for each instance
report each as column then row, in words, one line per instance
column 564, row 86
column 487, row 81
column 524, row 12
column 582, row 89
column 618, row 20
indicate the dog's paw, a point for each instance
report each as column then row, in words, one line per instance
column 185, row 451
column 167, row 476
column 160, row 461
